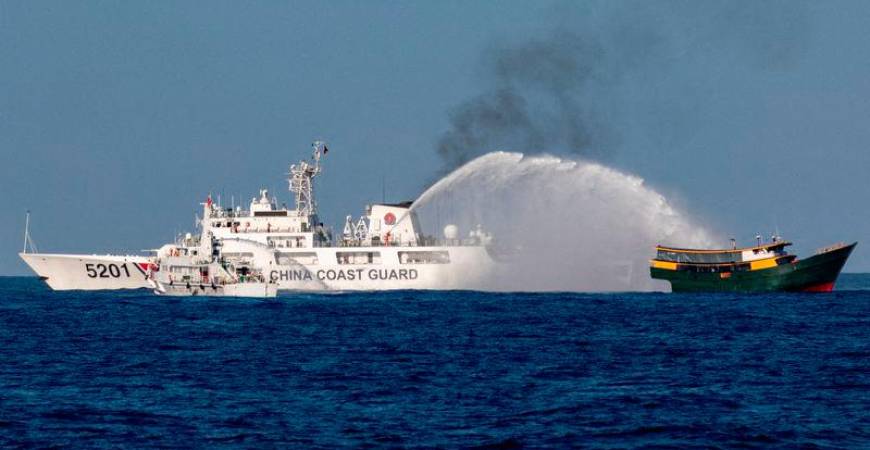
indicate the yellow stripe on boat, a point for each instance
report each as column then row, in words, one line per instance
column 763, row 264
column 664, row 265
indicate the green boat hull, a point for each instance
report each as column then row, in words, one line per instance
column 814, row 274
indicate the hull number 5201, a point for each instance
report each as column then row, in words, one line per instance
column 106, row 270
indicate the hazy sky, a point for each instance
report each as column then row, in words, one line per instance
column 117, row 118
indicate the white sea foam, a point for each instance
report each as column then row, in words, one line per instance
column 570, row 225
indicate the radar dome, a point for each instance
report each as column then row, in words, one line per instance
column 451, row 232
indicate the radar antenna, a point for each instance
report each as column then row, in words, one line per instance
column 301, row 180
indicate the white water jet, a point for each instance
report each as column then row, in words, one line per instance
column 568, row 225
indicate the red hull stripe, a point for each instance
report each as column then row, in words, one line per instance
column 143, row 267
column 824, row 287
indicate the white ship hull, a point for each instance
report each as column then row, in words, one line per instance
column 89, row 272
column 108, row 272
column 466, row 269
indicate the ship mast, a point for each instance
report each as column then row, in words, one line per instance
column 28, row 241
column 301, row 178
column 26, row 230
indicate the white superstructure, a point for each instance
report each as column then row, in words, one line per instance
column 382, row 249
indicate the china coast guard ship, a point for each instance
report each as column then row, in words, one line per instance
column 384, row 249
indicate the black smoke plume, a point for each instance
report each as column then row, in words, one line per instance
column 561, row 92
column 551, row 73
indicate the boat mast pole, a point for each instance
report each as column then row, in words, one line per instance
column 26, row 230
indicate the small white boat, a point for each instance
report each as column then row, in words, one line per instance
column 189, row 275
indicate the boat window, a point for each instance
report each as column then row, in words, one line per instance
column 291, row 258
column 286, row 241
column 358, row 257
column 181, row 269
column 431, row 257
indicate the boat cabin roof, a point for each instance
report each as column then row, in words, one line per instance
column 771, row 246
column 700, row 256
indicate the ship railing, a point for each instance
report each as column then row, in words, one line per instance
column 375, row 243
column 227, row 213
column 241, row 229
column 831, row 248
column 426, row 242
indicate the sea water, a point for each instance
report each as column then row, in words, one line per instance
column 435, row 369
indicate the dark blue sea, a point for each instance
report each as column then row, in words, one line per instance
column 426, row 370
